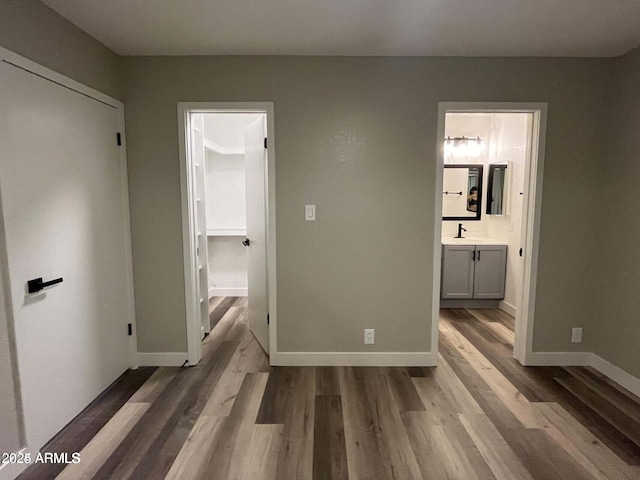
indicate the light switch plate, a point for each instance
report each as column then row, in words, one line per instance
column 576, row 335
column 310, row 213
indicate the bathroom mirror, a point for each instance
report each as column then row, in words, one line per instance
column 496, row 189
column 462, row 192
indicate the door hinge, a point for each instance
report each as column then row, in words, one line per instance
column 265, row 142
column 119, row 138
column 130, row 329
column 267, row 319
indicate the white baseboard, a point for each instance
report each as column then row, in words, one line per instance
column 586, row 359
column 161, row 359
column 228, row 292
column 508, row 308
column 616, row 374
column 558, row 359
column 9, row 471
column 355, row 359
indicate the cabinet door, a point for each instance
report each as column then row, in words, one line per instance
column 457, row 271
column 490, row 270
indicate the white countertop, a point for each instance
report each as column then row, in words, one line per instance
column 472, row 241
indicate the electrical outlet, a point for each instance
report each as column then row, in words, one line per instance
column 369, row 334
column 576, row 335
column 310, row 213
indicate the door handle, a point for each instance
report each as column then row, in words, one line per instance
column 246, row 242
column 37, row 284
column 478, row 254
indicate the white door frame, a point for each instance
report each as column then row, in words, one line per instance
column 194, row 342
column 532, row 208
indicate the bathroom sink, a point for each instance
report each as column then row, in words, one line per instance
column 472, row 241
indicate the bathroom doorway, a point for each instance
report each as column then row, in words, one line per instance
column 228, row 188
column 488, row 197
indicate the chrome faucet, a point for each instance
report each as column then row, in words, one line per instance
column 460, row 229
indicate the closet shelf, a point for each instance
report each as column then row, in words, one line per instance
column 222, row 232
column 214, row 147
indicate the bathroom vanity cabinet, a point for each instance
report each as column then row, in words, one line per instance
column 473, row 272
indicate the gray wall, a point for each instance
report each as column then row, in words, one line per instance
column 357, row 137
column 618, row 327
column 33, row 30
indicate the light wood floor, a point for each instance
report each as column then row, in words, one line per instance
column 478, row 415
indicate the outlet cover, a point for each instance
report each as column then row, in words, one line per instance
column 310, row 213
column 576, row 335
column 369, row 336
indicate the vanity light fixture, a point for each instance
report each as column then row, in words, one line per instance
column 463, row 146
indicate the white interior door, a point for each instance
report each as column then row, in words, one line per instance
column 64, row 213
column 255, row 171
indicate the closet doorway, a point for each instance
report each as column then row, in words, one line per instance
column 228, row 189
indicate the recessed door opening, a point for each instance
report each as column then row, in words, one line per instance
column 227, row 187
column 486, row 249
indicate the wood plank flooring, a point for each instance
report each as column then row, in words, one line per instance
column 478, row 415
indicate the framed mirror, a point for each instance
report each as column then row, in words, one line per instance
column 462, row 192
column 496, row 189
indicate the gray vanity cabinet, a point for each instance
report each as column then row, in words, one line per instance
column 457, row 271
column 489, row 272
column 473, row 271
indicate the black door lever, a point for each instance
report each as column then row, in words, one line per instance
column 37, row 284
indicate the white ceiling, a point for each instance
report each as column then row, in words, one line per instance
column 359, row 27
